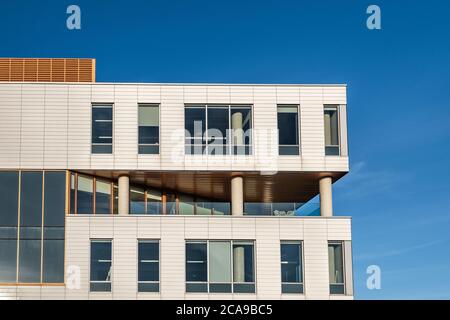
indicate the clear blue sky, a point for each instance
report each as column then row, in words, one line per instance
column 398, row 191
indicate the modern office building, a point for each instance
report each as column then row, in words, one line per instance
column 169, row 191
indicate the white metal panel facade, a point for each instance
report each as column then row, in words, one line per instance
column 172, row 232
column 49, row 126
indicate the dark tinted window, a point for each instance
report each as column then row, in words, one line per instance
column 8, row 260
column 196, row 262
column 102, row 128
column 54, row 199
column 290, row 262
column 30, row 261
column 31, row 199
column 195, row 125
column 288, row 130
column 9, row 190
column 53, row 261
column 148, row 256
column 101, row 260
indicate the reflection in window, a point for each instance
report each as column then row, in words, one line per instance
column 154, row 202
column 228, row 129
column 54, row 217
column 148, row 266
column 195, row 126
column 85, row 195
column 243, row 267
column 291, row 267
column 137, row 201
column 148, row 129
column 220, row 266
column 9, row 186
column 102, row 128
column 331, row 125
column 30, row 227
column 288, row 130
column 83, row 190
column 196, row 267
column 336, row 267
column 102, row 197
column 101, row 262
column 40, row 250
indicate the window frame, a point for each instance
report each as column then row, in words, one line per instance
column 101, row 105
column 111, row 268
column 301, row 284
column 158, row 144
column 343, row 284
column 298, row 134
column 229, row 145
column 43, row 235
column 336, row 108
column 232, row 283
column 157, row 241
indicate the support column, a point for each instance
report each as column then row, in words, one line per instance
column 326, row 197
column 236, row 125
column 124, row 195
column 239, row 264
column 237, row 196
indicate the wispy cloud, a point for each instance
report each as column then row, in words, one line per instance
column 398, row 251
column 362, row 181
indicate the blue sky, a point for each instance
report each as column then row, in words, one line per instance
column 398, row 191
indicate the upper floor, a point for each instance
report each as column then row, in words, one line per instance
column 174, row 127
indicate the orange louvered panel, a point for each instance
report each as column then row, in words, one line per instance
column 86, row 70
column 44, row 70
column 4, row 69
column 30, row 71
column 71, row 70
column 47, row 70
column 16, row 70
column 58, row 70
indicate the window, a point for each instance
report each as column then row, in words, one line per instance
column 148, row 129
column 9, row 194
column 102, row 128
column 331, row 124
column 102, row 197
column 91, row 195
column 85, row 193
column 137, row 201
column 148, row 266
column 336, row 267
column 291, row 267
column 220, row 266
column 30, row 227
column 288, row 130
column 195, row 126
column 218, row 129
column 196, row 267
column 37, row 249
column 54, row 216
column 101, row 265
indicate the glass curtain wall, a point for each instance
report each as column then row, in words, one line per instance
column 34, row 229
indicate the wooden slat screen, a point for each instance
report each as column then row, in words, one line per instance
column 47, row 70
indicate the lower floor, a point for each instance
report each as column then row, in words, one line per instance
column 200, row 257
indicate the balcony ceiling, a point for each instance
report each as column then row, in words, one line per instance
column 279, row 187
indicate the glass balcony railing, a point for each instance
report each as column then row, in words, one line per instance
column 281, row 209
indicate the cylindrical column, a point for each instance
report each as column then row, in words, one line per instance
column 237, row 196
column 238, row 264
column 326, row 197
column 124, row 195
column 236, row 125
